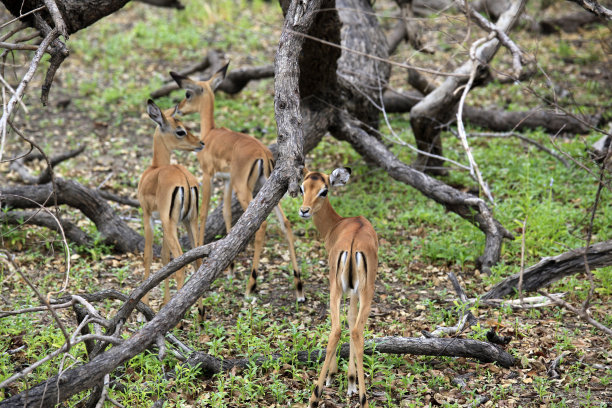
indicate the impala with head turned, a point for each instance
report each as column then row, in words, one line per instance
column 247, row 161
column 352, row 247
column 169, row 190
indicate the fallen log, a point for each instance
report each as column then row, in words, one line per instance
column 497, row 120
column 112, row 228
column 450, row 347
column 551, row 269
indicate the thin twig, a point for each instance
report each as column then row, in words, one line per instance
column 8, row 111
column 581, row 313
column 521, row 137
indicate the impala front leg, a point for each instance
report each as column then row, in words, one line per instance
column 297, row 278
column 148, row 249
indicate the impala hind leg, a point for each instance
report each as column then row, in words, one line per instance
column 332, row 344
column 352, row 368
column 227, row 217
column 171, row 247
column 297, row 279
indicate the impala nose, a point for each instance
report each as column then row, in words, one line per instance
column 305, row 212
column 200, row 147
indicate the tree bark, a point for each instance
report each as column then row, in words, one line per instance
column 551, row 269
column 114, row 230
column 452, row 347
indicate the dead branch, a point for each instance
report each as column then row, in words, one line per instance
column 454, row 200
column 114, row 230
column 467, row 318
column 19, row 92
column 569, row 23
column 427, row 115
column 500, row 33
column 496, row 120
column 43, row 219
column 454, row 347
column 595, row 8
column 233, row 83
column 551, row 269
column 45, row 175
column 584, row 315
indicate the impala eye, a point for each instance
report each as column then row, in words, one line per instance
column 188, row 95
column 181, row 133
column 302, row 190
column 323, row 193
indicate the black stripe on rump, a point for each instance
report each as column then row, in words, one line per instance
column 260, row 161
column 174, row 193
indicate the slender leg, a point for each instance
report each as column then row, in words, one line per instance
column 286, row 227
column 227, row 217
column 148, row 249
column 365, row 300
column 245, row 197
column 334, row 336
column 260, row 236
column 206, row 188
column 165, row 255
column 192, row 229
column 352, row 369
column 173, row 246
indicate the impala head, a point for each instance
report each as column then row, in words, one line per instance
column 197, row 92
column 315, row 187
column 174, row 134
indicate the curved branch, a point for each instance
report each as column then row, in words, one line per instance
column 551, row 269
column 43, row 219
column 113, row 229
column 465, row 205
column 453, row 347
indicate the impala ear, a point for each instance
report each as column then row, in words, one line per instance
column 340, row 176
column 218, row 77
column 304, row 171
column 155, row 113
column 186, row 82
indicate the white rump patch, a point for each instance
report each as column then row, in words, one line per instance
column 343, row 277
column 359, row 262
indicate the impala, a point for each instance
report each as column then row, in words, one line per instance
column 247, row 161
column 352, row 246
column 169, row 190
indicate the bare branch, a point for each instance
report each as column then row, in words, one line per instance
column 60, row 25
column 23, row 85
column 580, row 313
column 595, row 8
